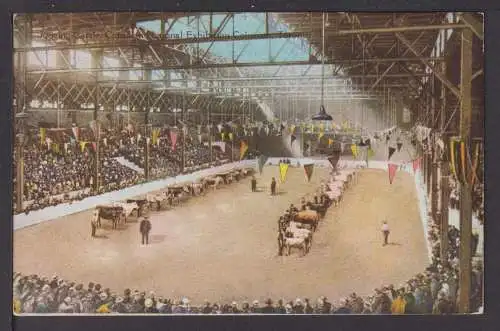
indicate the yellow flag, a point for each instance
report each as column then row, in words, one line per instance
column 231, row 136
column 354, row 150
column 312, row 127
column 243, row 149
column 330, row 142
column 222, row 135
column 292, row 129
column 82, row 145
column 320, row 135
column 322, row 127
column 43, row 131
column 283, row 171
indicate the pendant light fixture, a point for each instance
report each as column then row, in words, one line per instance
column 322, row 115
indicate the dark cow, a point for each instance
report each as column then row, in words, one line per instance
column 112, row 213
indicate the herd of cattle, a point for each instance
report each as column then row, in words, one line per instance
column 296, row 227
column 118, row 212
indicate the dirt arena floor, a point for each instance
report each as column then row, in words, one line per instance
column 223, row 247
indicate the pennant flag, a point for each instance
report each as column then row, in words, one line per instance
column 55, row 148
column 94, row 145
column 292, row 129
column 261, row 162
column 94, row 125
column 320, row 135
column 283, row 171
column 222, row 136
column 243, row 149
column 370, row 153
column 334, row 159
column 48, row 141
column 43, row 132
column 76, row 132
column 231, row 136
column 392, row 171
column 309, row 168
column 322, row 127
column 312, row 127
column 354, row 150
column 139, row 137
column 458, row 159
column 105, row 140
column 391, row 152
column 173, row 139
column 477, row 151
column 416, row 165
column 199, row 138
column 219, row 127
column 155, row 134
column 292, row 139
column 66, row 145
column 330, row 142
column 82, row 145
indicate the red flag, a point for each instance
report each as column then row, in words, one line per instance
column 392, row 171
column 76, row 132
column 173, row 139
column 416, row 165
column 95, row 146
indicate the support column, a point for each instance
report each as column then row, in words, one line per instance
column 183, row 136
column 445, row 201
column 434, row 172
column 465, row 189
column 96, row 61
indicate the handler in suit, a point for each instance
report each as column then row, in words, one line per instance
column 273, row 186
column 385, row 232
column 254, row 184
column 145, row 227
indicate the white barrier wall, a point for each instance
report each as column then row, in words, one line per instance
column 64, row 209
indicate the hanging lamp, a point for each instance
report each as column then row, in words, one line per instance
column 322, row 115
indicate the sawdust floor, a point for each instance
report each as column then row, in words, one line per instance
column 224, row 246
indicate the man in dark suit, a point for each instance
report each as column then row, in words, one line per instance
column 254, row 184
column 273, row 186
column 145, row 227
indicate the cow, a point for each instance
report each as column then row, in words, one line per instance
column 112, row 213
column 157, row 198
column 128, row 209
column 307, row 217
column 141, row 203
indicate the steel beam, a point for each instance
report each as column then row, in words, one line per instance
column 442, row 78
column 236, row 65
column 465, row 255
column 473, row 24
column 434, row 27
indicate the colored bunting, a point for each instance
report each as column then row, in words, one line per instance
column 330, row 142
column 243, row 149
column 261, row 162
column 392, row 171
column 43, row 132
column 82, row 145
column 416, row 165
column 76, row 132
column 173, row 139
column 391, row 152
column 283, row 171
column 320, row 135
column 309, row 168
column 354, row 150
column 231, row 136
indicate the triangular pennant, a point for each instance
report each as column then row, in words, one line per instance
column 76, row 132
column 330, row 142
column 222, row 136
column 139, row 136
column 292, row 129
column 219, row 127
column 94, row 126
column 66, row 146
column 173, row 139
column 243, row 149
column 309, row 168
column 283, row 171
column 391, row 152
column 354, row 150
column 392, row 171
column 94, row 145
column 230, row 136
column 320, row 135
column 475, row 165
column 261, row 162
column 416, row 165
column 334, row 159
column 292, row 139
column 105, row 141
column 82, row 145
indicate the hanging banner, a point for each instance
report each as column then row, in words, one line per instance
column 478, row 145
column 391, row 152
column 230, row 136
column 43, row 132
column 66, row 146
column 94, row 145
column 155, row 134
column 309, row 168
column 322, row 127
column 458, row 160
column 222, row 136
column 292, row 129
column 312, row 127
column 416, row 165
column 283, row 171
column 173, row 139
column 292, row 139
column 334, row 159
column 261, row 162
column 82, row 145
column 76, row 132
column 105, row 141
column 392, row 171
column 354, row 150
column 95, row 127
column 139, row 138
column 330, row 142
column 48, row 141
column 55, row 148
column 243, row 149
column 219, row 127
column 199, row 138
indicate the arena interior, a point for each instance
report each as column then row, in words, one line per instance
column 147, row 145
